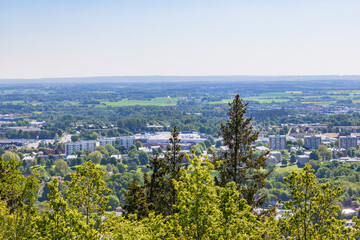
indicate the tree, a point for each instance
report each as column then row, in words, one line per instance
column 284, row 162
column 312, row 211
column 143, row 158
column 113, row 202
column 46, row 191
column 135, row 200
column 207, row 212
column 239, row 163
column 173, row 160
column 10, row 155
column 87, row 191
column 138, row 144
column 95, row 156
column 323, row 151
column 299, row 142
column 121, row 167
column 218, row 144
column 111, row 150
column 103, row 150
column 18, row 195
column 61, row 222
column 351, row 152
column 293, row 158
column 75, row 138
column 156, row 187
column 61, row 167
column 314, row 155
column 132, row 166
column 207, row 143
column 299, row 152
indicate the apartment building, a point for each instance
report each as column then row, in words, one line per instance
column 80, row 146
column 106, row 141
column 347, row 142
column 126, row 141
column 277, row 142
column 312, row 142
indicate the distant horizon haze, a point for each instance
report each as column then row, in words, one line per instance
column 163, row 78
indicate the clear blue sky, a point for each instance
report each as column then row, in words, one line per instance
column 72, row 38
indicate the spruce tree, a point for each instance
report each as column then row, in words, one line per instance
column 155, row 187
column 239, row 163
column 173, row 160
column 158, row 192
column 135, row 200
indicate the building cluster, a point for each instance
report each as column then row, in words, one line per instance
column 147, row 139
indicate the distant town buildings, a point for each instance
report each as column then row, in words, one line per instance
column 126, row 141
column 80, row 146
column 312, row 142
column 347, row 142
column 163, row 137
column 271, row 160
column 106, row 141
column 277, row 142
column 302, row 159
column 277, row 155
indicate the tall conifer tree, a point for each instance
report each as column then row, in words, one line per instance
column 239, row 163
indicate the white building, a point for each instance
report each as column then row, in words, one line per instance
column 80, row 146
column 106, row 141
column 277, row 142
column 163, row 137
column 126, row 141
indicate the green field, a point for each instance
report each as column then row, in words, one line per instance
column 161, row 101
column 288, row 168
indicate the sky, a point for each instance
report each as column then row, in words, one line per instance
column 82, row 38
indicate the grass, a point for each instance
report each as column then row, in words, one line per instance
column 289, row 168
column 323, row 103
column 161, row 101
column 266, row 100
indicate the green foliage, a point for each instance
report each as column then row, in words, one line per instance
column 312, row 214
column 10, row 155
column 135, row 200
column 61, row 167
column 143, row 158
column 239, row 163
column 87, row 192
column 95, row 156
column 17, row 200
column 61, row 222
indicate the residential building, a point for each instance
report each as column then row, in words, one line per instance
column 347, row 142
column 271, row 160
column 277, row 155
column 312, row 142
column 80, row 146
column 106, row 141
column 302, row 159
column 277, row 142
column 126, row 141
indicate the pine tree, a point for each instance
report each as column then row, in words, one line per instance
column 157, row 197
column 238, row 163
column 173, row 160
column 135, row 200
